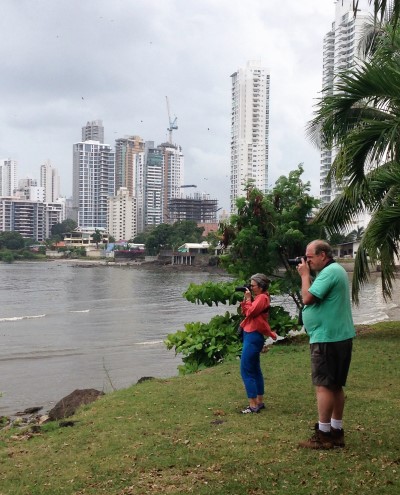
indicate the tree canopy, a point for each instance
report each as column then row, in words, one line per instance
column 11, row 240
column 167, row 236
column 68, row 225
column 269, row 225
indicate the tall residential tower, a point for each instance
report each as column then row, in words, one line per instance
column 93, row 182
column 8, row 177
column 340, row 53
column 50, row 181
column 249, row 129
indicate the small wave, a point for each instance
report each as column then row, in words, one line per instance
column 150, row 342
column 80, row 311
column 42, row 354
column 17, row 318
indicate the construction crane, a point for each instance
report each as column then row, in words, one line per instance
column 172, row 123
column 188, row 185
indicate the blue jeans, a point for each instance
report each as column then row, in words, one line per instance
column 250, row 368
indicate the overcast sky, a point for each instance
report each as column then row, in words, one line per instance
column 64, row 62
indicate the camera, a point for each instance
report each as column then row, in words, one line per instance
column 243, row 288
column 296, row 261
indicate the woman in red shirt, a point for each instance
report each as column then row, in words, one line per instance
column 256, row 329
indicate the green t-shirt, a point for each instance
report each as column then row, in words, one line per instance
column 329, row 319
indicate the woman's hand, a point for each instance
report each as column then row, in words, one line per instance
column 247, row 295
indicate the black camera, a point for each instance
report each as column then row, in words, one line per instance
column 296, row 261
column 243, row 288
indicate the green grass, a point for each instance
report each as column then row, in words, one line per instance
column 185, row 435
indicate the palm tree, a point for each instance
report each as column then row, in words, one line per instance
column 383, row 9
column 362, row 120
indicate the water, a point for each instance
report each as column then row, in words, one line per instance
column 64, row 327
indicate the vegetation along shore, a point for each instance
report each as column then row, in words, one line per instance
column 185, row 434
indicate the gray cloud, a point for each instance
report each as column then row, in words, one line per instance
column 68, row 61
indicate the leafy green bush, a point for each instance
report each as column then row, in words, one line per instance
column 27, row 255
column 206, row 344
column 7, row 256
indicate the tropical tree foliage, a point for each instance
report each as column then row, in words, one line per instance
column 11, row 240
column 270, row 228
column 67, row 225
column 97, row 237
column 167, row 236
column 362, row 120
column 383, row 10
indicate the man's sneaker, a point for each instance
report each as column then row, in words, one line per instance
column 320, row 440
column 337, row 437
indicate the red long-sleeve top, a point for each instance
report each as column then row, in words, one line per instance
column 256, row 315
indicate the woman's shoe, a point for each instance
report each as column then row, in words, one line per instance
column 260, row 406
column 251, row 410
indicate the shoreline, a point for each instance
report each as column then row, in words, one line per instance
column 144, row 265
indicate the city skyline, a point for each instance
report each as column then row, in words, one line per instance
column 75, row 62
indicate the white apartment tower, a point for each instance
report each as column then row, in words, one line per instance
column 8, row 177
column 50, row 181
column 340, row 53
column 93, row 182
column 122, row 215
column 249, row 129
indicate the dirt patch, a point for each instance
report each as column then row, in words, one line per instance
column 364, row 330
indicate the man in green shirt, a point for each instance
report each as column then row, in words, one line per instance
column 328, row 321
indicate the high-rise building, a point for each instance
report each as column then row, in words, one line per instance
column 93, row 131
column 249, row 129
column 50, row 181
column 23, row 216
column 128, row 151
column 159, row 178
column 28, row 189
column 54, row 213
column 122, row 215
column 340, row 53
column 173, row 161
column 93, row 182
column 199, row 208
column 152, row 184
column 8, row 177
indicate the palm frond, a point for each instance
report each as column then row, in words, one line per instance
column 379, row 244
column 384, row 10
column 361, row 272
column 338, row 214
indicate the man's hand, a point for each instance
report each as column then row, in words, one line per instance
column 303, row 269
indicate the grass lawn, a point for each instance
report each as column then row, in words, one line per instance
column 185, row 435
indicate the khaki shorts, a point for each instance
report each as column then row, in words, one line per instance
column 330, row 363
